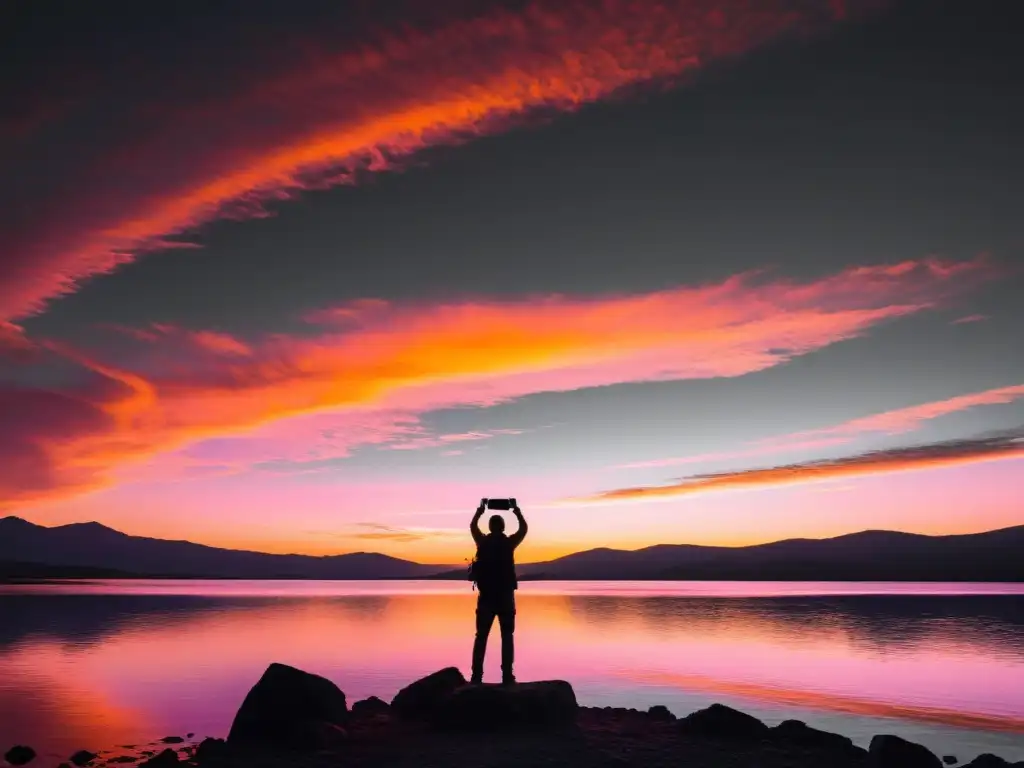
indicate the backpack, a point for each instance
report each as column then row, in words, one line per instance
column 493, row 567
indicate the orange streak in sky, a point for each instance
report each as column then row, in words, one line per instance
column 340, row 114
column 806, row 473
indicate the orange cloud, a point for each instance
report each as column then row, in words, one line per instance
column 953, row 453
column 408, row 360
column 326, row 118
column 890, row 422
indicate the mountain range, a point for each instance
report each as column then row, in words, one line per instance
column 93, row 545
column 865, row 556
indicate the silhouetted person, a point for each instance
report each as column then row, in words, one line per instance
column 494, row 572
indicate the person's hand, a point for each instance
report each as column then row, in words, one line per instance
column 482, row 507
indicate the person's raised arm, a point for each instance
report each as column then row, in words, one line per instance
column 519, row 535
column 474, row 525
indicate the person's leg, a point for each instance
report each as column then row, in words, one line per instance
column 507, row 625
column 484, row 619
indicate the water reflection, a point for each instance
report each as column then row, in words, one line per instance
column 101, row 668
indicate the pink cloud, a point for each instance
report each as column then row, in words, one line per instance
column 890, row 422
column 190, row 387
column 970, row 319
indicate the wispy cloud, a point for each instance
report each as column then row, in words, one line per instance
column 183, row 389
column 757, row 449
column 438, row 441
column 399, row 535
column 946, row 454
column 970, row 319
column 892, row 422
column 324, row 118
column 14, row 346
column 907, row 419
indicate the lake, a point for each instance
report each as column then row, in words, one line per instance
column 103, row 663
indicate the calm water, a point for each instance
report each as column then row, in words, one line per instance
column 100, row 664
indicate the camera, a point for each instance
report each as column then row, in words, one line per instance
column 502, row 504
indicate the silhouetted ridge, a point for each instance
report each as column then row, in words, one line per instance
column 93, row 545
column 874, row 555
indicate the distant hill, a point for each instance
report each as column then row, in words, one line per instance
column 20, row 572
column 92, row 545
column 865, row 556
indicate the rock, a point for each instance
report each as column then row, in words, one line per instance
column 661, row 712
column 172, row 740
column 287, row 709
column 950, row 759
column 327, row 736
column 123, row 759
column 887, row 751
column 82, row 757
column 543, row 704
column 800, row 734
column 211, row 750
column 721, row 722
column 370, row 707
column 20, row 755
column 988, row 760
column 166, row 759
column 418, row 700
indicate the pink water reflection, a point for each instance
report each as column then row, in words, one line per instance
column 110, row 663
column 313, row 588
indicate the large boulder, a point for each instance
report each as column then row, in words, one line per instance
column 211, row 750
column 289, row 709
column 166, row 759
column 20, row 755
column 419, row 700
column 888, row 751
column 721, row 722
column 542, row 704
column 371, row 707
column 799, row 734
column 988, row 760
column 662, row 713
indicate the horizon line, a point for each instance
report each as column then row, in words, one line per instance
column 536, row 562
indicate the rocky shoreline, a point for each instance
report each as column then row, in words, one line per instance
column 293, row 719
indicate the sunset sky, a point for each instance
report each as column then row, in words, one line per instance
column 315, row 277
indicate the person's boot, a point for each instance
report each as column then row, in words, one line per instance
column 476, row 678
column 507, row 678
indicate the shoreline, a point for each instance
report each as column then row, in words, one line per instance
column 294, row 719
column 61, row 579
